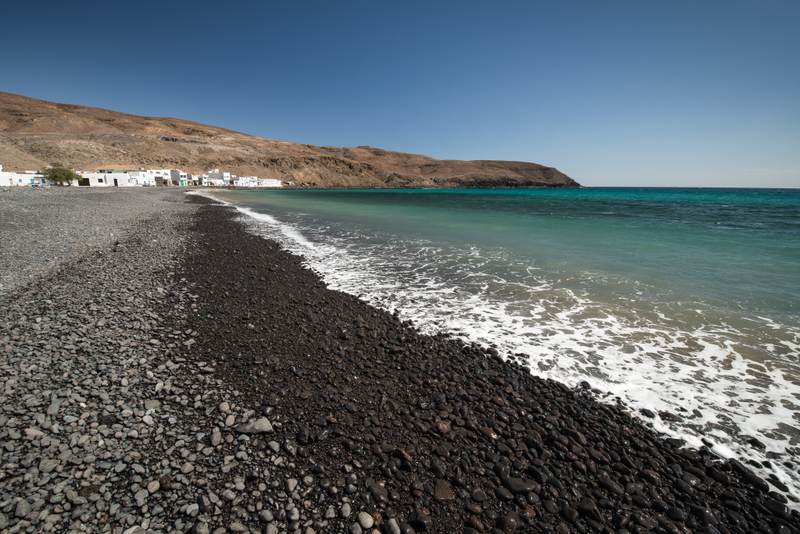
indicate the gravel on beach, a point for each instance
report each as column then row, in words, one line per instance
column 42, row 228
column 186, row 376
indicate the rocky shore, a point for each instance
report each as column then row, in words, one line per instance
column 42, row 230
column 189, row 376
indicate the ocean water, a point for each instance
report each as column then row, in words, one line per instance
column 684, row 302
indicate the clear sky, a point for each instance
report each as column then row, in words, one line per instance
column 612, row 93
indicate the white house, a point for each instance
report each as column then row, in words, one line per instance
column 246, row 181
column 91, row 179
column 217, row 177
column 142, row 178
column 199, row 179
column 5, row 178
column 179, row 178
column 106, row 178
column 269, row 182
column 160, row 176
column 21, row 179
column 255, row 181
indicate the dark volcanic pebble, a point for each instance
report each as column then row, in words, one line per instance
column 187, row 376
column 436, row 422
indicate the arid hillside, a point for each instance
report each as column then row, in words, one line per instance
column 36, row 133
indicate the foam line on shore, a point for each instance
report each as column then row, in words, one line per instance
column 419, row 418
column 289, row 231
column 352, row 275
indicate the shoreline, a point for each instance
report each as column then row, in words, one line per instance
column 347, row 266
column 221, row 385
column 454, row 361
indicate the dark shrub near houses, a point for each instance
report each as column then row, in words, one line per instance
column 60, row 175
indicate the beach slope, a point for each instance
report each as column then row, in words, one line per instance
column 189, row 376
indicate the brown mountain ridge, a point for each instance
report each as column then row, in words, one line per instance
column 36, row 133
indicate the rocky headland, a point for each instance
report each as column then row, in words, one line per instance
column 36, row 133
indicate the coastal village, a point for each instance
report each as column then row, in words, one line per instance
column 140, row 178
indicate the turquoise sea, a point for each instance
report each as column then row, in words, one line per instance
column 684, row 301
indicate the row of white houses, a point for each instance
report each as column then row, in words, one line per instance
column 140, row 178
column 20, row 178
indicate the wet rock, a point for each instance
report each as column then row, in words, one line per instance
column 443, row 491
column 421, row 521
column 588, row 508
column 609, row 484
column 510, row 522
column 379, row 493
column 503, row 493
column 518, row 485
column 392, row 527
column 478, row 495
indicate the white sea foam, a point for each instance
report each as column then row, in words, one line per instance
column 646, row 358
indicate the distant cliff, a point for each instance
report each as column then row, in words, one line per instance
column 35, row 133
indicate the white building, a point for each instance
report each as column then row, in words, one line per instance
column 217, row 177
column 151, row 177
column 255, row 181
column 269, row 182
column 106, row 178
column 179, row 177
column 199, row 179
column 246, row 181
column 160, row 176
column 142, row 178
column 21, row 178
column 91, row 179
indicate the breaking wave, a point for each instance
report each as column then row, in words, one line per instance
column 686, row 368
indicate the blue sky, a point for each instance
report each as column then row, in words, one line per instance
column 612, row 93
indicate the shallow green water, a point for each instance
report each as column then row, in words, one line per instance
column 686, row 300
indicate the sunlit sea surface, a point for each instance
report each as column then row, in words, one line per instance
column 684, row 302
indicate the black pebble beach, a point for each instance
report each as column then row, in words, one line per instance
column 176, row 373
column 428, row 434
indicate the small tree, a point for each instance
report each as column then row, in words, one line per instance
column 60, row 175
